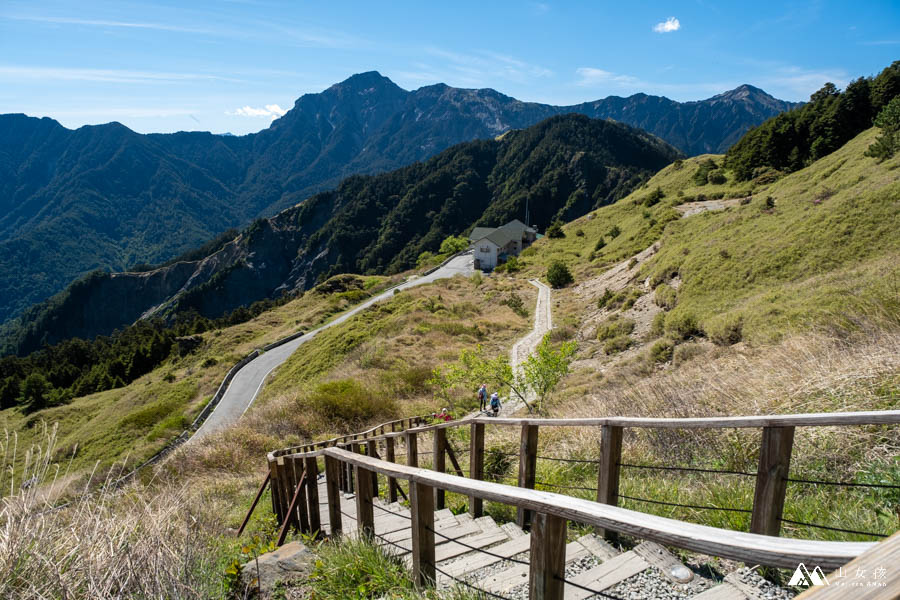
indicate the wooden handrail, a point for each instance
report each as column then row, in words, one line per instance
column 747, row 547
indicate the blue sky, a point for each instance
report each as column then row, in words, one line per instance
column 235, row 65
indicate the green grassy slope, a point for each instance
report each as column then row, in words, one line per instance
column 827, row 248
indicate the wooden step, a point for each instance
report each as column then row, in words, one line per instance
column 513, row 530
column 724, row 591
column 606, row 575
column 598, row 547
column 518, row 574
column 665, row 561
column 479, row 561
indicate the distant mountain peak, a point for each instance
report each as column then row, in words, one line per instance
column 367, row 80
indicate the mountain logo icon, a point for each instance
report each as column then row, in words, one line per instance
column 803, row 576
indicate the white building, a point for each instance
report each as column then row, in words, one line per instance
column 492, row 245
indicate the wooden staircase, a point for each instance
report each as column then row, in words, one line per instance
column 482, row 554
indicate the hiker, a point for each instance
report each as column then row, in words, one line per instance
column 443, row 415
column 483, row 396
column 495, row 403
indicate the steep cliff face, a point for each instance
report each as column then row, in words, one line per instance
column 562, row 167
column 107, row 197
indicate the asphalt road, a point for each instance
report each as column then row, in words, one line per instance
column 249, row 381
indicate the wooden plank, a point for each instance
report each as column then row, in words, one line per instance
column 259, row 493
column 476, row 465
column 724, row 591
column 771, row 485
column 439, row 463
column 421, row 497
column 748, row 589
column 608, row 473
column 880, row 567
column 365, row 511
column 333, row 493
column 663, row 560
column 301, row 513
column 311, row 466
column 598, row 547
column 606, row 575
column 747, row 547
column 480, row 561
column 389, row 456
column 372, row 451
column 527, row 468
column 548, row 557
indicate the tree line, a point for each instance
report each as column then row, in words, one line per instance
column 794, row 139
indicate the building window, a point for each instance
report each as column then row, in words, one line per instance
column 484, row 249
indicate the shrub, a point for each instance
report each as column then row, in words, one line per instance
column 665, row 296
column 600, row 244
column 661, row 351
column 561, row 334
column 424, row 259
column 685, row 352
column 682, row 326
column 514, row 301
column 677, row 165
column 513, row 265
column 614, row 327
column 558, row 274
column 209, row 362
column 603, row 300
column 614, row 231
column 453, row 244
column 476, row 278
column 888, row 140
column 555, row 230
column 347, row 403
column 632, row 263
column 701, row 175
column 579, row 232
column 654, row 197
column 726, row 330
column 716, row 177
column 658, row 325
column 617, row 344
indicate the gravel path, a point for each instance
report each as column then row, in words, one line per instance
column 543, row 321
column 249, row 381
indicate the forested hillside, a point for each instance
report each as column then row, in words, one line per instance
column 562, row 167
column 106, row 197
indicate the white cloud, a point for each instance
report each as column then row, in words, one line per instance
column 272, row 111
column 19, row 73
column 591, row 77
column 669, row 25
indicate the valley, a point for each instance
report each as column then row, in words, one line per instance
column 701, row 351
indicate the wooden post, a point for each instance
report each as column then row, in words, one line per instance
column 476, row 465
column 392, row 481
column 421, row 501
column 774, row 465
column 548, row 557
column 372, row 451
column 608, row 477
column 301, row 513
column 453, row 462
column 365, row 512
column 312, row 493
column 333, row 477
column 284, row 488
column 273, row 487
column 412, row 449
column 527, row 468
column 440, row 463
column 296, row 500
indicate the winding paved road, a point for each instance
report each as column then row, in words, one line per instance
column 249, row 381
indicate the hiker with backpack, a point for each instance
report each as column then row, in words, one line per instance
column 483, row 396
column 495, row 403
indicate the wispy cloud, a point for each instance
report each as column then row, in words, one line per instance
column 272, row 111
column 19, row 73
column 590, row 76
column 881, row 43
column 540, row 8
column 111, row 23
column 483, row 67
column 667, row 26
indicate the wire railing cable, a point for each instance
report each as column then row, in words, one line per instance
column 695, row 469
column 844, row 483
column 468, row 585
column 694, row 506
column 817, row 526
column 480, row 550
column 587, row 589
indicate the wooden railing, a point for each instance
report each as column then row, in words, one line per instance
column 547, row 513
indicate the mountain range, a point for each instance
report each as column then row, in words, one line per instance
column 105, row 197
column 562, row 168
